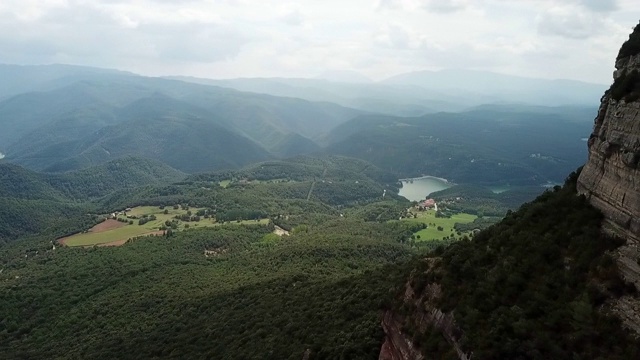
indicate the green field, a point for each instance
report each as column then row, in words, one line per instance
column 432, row 232
column 130, row 231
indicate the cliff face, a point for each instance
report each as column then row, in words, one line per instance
column 424, row 317
column 611, row 177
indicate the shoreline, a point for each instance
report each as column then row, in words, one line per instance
column 426, row 177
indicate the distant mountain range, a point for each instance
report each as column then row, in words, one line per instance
column 106, row 115
column 63, row 118
column 421, row 92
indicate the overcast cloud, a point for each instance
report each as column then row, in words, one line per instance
column 574, row 39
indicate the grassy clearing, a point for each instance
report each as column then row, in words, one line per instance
column 432, row 232
column 224, row 183
column 97, row 238
column 132, row 230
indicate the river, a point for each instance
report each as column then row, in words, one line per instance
column 417, row 189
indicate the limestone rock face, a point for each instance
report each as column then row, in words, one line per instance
column 611, row 176
column 611, row 181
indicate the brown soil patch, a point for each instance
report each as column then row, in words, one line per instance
column 122, row 242
column 107, row 225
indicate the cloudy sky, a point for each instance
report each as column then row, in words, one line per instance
column 574, row 39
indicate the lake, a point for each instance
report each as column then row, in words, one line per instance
column 499, row 189
column 417, row 189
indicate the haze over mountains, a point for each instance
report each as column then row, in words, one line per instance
column 59, row 118
column 417, row 93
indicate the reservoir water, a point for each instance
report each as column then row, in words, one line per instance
column 417, row 189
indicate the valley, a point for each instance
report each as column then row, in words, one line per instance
column 430, row 214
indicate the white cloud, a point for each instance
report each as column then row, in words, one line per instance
column 570, row 22
column 600, row 5
column 446, row 6
column 229, row 38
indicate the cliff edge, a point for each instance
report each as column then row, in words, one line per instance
column 611, row 177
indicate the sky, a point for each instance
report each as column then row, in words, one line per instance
column 568, row 39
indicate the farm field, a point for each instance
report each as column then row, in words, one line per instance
column 112, row 232
column 432, row 232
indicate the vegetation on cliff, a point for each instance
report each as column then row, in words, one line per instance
column 631, row 47
column 626, row 86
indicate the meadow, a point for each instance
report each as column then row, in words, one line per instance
column 447, row 224
column 113, row 233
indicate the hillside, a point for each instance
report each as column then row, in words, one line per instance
column 73, row 124
column 320, row 286
column 537, row 285
column 18, row 79
column 487, row 145
column 369, row 97
column 31, row 202
column 162, row 129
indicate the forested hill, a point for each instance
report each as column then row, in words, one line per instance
column 306, row 168
column 61, row 121
column 487, row 145
column 31, row 203
column 128, row 172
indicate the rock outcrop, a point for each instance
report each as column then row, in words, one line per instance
column 425, row 317
column 611, row 176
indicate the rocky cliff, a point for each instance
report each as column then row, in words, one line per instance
column 425, row 317
column 611, row 177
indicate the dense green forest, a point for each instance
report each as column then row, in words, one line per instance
column 322, row 287
column 531, row 286
column 238, row 289
column 229, row 291
column 482, row 201
column 487, row 145
column 31, row 202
